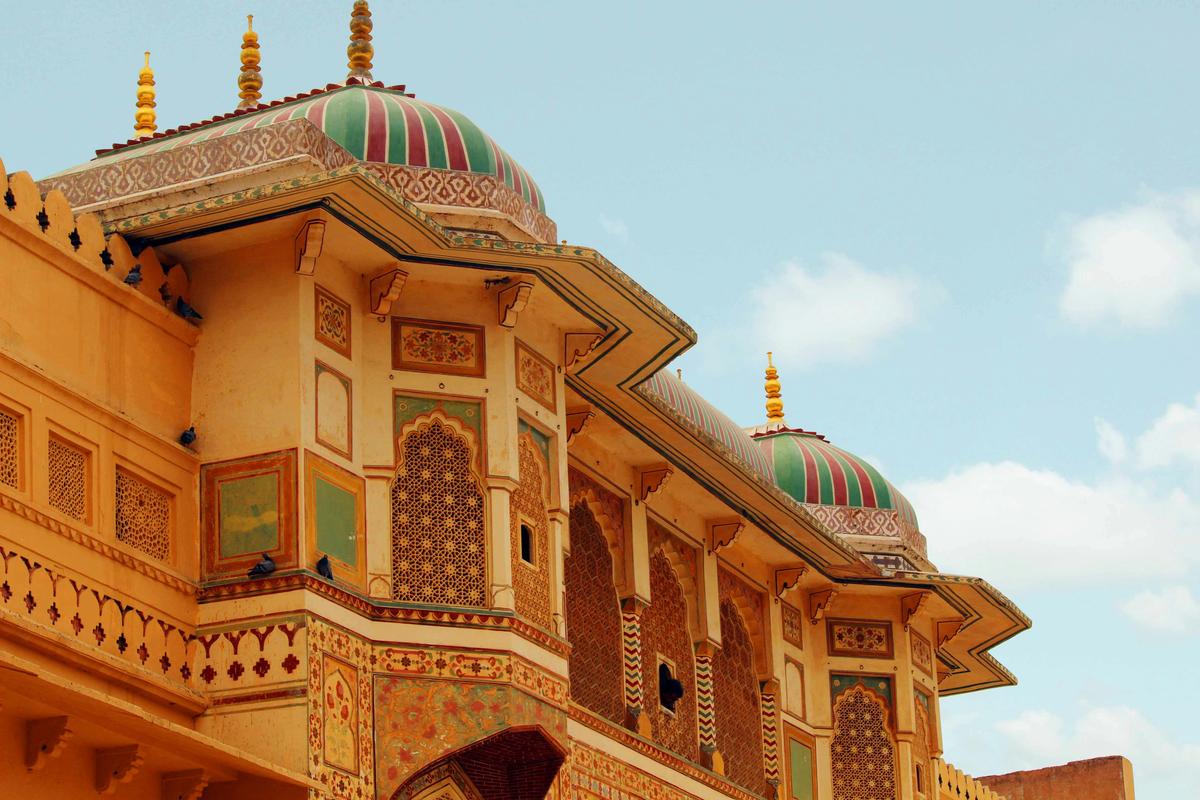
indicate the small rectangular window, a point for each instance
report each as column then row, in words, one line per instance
column 526, row 543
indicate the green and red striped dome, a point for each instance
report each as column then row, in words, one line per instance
column 373, row 123
column 813, row 471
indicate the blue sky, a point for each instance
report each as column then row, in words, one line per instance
column 971, row 235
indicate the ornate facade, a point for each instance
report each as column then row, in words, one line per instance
column 325, row 471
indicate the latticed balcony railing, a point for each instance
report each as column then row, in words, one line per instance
column 954, row 784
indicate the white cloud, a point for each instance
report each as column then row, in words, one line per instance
column 614, row 227
column 837, row 311
column 1023, row 528
column 1171, row 610
column 1110, row 441
column 1174, row 437
column 1037, row 738
column 1135, row 265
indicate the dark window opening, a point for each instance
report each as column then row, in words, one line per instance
column 670, row 688
column 920, row 779
column 526, row 544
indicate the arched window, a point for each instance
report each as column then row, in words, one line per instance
column 921, row 749
column 529, row 529
column 593, row 619
column 738, row 703
column 439, row 541
column 864, row 755
column 666, row 642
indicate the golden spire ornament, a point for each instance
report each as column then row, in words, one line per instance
column 360, row 50
column 774, row 397
column 250, row 79
column 144, row 124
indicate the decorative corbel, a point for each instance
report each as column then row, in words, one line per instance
column 512, row 300
column 819, row 602
column 45, row 739
column 911, row 605
column 309, row 242
column 787, row 579
column 942, row 675
column 652, row 477
column 945, row 630
column 724, row 532
column 187, row 785
column 577, row 419
column 577, row 347
column 385, row 289
column 117, row 765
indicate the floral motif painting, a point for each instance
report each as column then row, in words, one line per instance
column 793, row 626
column 437, row 347
column 332, row 321
column 922, row 653
column 857, row 637
column 339, row 700
column 535, row 376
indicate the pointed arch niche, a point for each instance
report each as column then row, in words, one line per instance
column 863, row 748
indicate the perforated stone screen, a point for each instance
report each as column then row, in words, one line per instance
column 864, row 757
column 143, row 516
column 665, row 633
column 737, row 701
column 67, row 478
column 531, row 579
column 10, row 450
column 439, row 548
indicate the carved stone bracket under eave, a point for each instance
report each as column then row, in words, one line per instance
column 45, row 739
column 945, row 630
column 819, row 603
column 385, row 289
column 511, row 301
column 577, row 347
column 187, row 785
column 911, row 605
column 653, row 477
column 310, row 240
column 577, row 419
column 723, row 533
column 787, row 579
column 117, row 765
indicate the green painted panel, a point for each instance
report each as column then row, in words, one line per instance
column 249, row 515
column 539, row 438
column 800, row 770
column 409, row 408
column 336, row 521
column 878, row 685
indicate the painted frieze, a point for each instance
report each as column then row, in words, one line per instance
column 860, row 638
column 445, row 347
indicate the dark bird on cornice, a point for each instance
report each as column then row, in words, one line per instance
column 187, row 437
column 324, row 569
column 263, row 568
column 186, row 311
column 135, row 276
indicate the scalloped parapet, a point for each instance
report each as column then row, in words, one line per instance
column 954, row 784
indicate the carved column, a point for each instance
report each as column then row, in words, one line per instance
column 631, row 648
column 706, row 713
column 500, row 586
column 770, row 730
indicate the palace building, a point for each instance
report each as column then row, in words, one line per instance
column 327, row 470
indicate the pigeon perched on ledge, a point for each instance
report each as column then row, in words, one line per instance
column 186, row 311
column 263, row 568
column 187, row 437
column 324, row 569
column 135, row 276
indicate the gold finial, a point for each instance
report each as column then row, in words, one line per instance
column 360, row 50
column 250, row 79
column 774, row 398
column 143, row 119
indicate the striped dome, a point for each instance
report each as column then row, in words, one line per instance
column 374, row 124
column 685, row 402
column 813, row 471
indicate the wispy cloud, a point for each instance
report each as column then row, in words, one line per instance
column 1173, row 438
column 835, row 311
column 1170, row 610
column 1135, row 266
column 614, row 227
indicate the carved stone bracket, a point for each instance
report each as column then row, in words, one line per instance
column 724, row 532
column 577, row 419
column 911, row 605
column 942, row 675
column 787, row 579
column 512, row 300
column 653, row 477
column 945, row 630
column 309, row 242
column 385, row 289
column 577, row 347
column 819, row 603
column 187, row 785
column 45, row 739
column 115, row 766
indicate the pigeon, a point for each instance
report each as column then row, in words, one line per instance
column 324, row 569
column 187, row 437
column 135, row 276
column 186, row 311
column 262, row 568
column 165, row 293
column 670, row 692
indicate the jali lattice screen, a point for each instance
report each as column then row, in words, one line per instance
column 143, row 516
column 864, row 756
column 10, row 450
column 68, row 479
